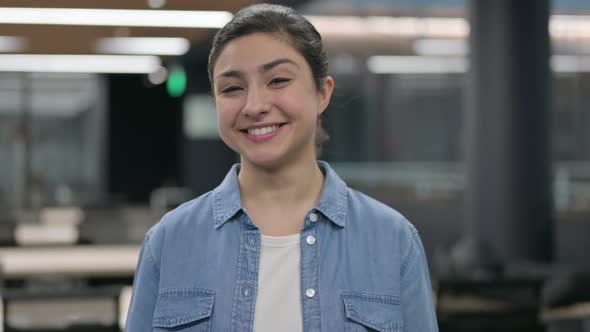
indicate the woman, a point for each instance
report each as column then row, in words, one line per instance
column 282, row 244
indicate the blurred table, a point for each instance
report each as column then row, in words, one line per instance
column 75, row 261
column 572, row 318
column 66, row 288
column 488, row 305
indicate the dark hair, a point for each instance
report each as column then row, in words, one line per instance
column 285, row 22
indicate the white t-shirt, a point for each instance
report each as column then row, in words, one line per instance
column 278, row 303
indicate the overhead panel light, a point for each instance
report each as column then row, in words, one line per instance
column 334, row 26
column 570, row 26
column 430, row 46
column 12, row 44
column 434, row 27
column 115, row 17
column 143, row 45
column 413, row 27
column 570, row 63
column 43, row 63
column 159, row 76
column 560, row 26
column 416, row 65
column 156, row 3
column 391, row 64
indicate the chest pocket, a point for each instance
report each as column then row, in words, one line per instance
column 372, row 312
column 184, row 309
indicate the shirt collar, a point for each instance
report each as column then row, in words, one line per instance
column 333, row 200
column 226, row 197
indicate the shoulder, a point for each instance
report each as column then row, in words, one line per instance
column 190, row 214
column 363, row 206
column 188, row 218
column 360, row 213
column 366, row 214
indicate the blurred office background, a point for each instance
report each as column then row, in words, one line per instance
column 471, row 117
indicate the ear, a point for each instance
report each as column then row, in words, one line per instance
column 326, row 93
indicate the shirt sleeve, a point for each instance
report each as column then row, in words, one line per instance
column 416, row 289
column 145, row 292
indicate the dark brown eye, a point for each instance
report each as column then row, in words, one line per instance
column 231, row 88
column 278, row 80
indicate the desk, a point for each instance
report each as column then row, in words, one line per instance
column 74, row 261
column 572, row 318
column 81, row 261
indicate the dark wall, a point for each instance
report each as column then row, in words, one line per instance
column 441, row 222
column 144, row 135
column 206, row 162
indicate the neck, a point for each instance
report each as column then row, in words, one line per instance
column 290, row 185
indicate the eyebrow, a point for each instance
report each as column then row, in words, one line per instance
column 271, row 65
column 264, row 68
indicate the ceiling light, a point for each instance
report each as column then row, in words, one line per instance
column 143, row 45
column 560, row 26
column 450, row 65
column 12, row 44
column 159, row 76
column 140, row 64
column 430, row 46
column 570, row 63
column 156, row 3
column 427, row 27
column 569, row 26
column 115, row 17
column 416, row 65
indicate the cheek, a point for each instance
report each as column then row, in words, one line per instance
column 222, row 118
column 302, row 109
column 292, row 103
column 299, row 101
column 226, row 113
column 225, row 127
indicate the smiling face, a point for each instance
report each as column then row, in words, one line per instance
column 267, row 101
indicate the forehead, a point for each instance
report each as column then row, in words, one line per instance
column 248, row 53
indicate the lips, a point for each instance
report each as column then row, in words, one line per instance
column 264, row 132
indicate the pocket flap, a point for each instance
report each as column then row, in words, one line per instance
column 176, row 307
column 380, row 312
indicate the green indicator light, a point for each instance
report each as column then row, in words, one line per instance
column 176, row 84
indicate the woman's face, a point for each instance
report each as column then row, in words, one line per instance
column 267, row 102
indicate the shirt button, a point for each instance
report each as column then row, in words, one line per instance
column 310, row 293
column 247, row 291
column 310, row 240
column 313, row 217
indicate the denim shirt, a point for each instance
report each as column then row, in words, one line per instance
column 365, row 271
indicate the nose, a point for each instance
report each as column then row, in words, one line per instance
column 257, row 102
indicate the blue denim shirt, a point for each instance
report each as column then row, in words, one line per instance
column 198, row 267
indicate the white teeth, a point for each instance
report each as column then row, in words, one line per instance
column 263, row 130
